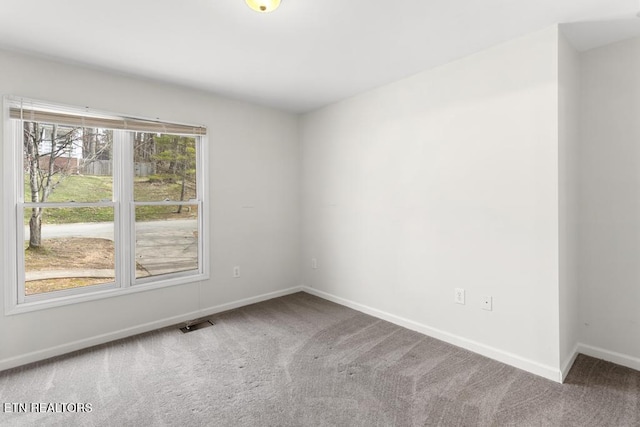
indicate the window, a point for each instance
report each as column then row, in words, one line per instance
column 101, row 204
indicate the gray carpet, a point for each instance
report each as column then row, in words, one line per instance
column 303, row 361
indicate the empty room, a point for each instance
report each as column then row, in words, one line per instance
column 335, row 213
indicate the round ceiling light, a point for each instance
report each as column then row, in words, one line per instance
column 263, row 6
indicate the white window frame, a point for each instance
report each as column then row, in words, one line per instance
column 124, row 231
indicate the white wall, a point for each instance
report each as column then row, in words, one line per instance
column 569, row 134
column 253, row 162
column 609, row 201
column 445, row 179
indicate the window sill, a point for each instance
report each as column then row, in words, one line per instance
column 103, row 294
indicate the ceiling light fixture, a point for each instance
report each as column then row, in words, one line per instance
column 263, row 6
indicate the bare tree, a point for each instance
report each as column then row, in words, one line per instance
column 46, row 165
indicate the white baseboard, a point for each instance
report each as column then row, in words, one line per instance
column 531, row 366
column 610, row 356
column 566, row 366
column 488, row 351
column 58, row 350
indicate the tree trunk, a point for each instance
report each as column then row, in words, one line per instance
column 92, row 144
column 174, row 164
column 182, row 191
column 35, row 228
column 48, row 185
column 33, row 156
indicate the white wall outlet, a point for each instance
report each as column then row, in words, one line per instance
column 236, row 271
column 459, row 296
column 487, row 303
column 314, row 263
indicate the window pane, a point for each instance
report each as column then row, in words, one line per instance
column 70, row 254
column 166, row 246
column 63, row 163
column 165, row 167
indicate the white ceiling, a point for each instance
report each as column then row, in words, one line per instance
column 304, row 55
column 589, row 35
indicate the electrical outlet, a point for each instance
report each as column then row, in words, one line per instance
column 314, row 263
column 487, row 303
column 236, row 271
column 459, row 296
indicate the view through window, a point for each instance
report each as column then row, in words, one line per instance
column 105, row 205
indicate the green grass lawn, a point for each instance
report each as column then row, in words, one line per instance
column 80, row 188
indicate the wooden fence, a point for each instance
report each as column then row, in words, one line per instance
column 105, row 167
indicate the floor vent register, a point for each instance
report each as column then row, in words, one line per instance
column 196, row 325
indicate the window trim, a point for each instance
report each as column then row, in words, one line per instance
column 123, row 208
